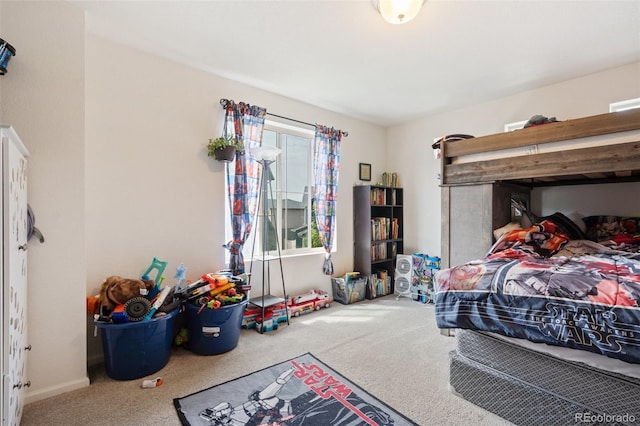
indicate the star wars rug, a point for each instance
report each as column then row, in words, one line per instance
column 301, row 391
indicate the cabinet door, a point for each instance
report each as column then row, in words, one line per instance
column 14, row 342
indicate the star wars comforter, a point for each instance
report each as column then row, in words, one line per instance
column 539, row 285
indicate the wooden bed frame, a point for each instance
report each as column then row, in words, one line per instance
column 618, row 162
column 476, row 196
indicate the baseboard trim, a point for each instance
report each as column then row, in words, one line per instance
column 45, row 393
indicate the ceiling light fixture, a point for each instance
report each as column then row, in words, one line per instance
column 398, row 11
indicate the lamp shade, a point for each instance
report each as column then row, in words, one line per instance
column 398, row 11
column 264, row 153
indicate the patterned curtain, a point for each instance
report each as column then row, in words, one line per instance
column 245, row 123
column 326, row 163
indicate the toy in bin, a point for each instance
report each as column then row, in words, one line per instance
column 214, row 309
column 213, row 291
column 124, row 300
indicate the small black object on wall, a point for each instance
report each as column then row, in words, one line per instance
column 7, row 51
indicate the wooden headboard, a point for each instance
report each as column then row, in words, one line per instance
column 570, row 165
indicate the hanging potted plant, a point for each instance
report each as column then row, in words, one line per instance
column 223, row 148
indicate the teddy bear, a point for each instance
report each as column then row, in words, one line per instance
column 116, row 290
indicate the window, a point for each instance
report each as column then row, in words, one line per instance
column 289, row 182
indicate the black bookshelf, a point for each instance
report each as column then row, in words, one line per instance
column 378, row 234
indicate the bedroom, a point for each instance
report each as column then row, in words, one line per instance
column 101, row 122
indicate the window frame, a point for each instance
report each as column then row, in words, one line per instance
column 280, row 128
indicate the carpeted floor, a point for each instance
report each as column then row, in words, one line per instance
column 391, row 348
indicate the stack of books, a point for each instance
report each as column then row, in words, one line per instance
column 391, row 179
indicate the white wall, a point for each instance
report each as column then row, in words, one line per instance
column 409, row 145
column 619, row 199
column 43, row 99
column 151, row 190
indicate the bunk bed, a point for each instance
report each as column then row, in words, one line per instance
column 547, row 320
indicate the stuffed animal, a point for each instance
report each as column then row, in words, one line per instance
column 116, row 290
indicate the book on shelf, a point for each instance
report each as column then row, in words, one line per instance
column 380, row 228
column 390, row 179
column 378, row 251
column 378, row 196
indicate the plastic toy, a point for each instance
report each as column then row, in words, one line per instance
column 153, row 383
column 159, row 266
column 93, row 305
column 314, row 300
column 158, row 302
column 182, row 337
column 181, row 278
column 209, row 284
column 273, row 316
column 424, row 269
column 137, row 308
column 267, row 324
column 252, row 315
column 118, row 315
column 214, row 304
column 6, row 52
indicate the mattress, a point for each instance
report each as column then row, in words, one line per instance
column 539, row 284
column 528, row 387
column 590, row 360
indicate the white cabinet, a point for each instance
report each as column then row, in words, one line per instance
column 13, row 275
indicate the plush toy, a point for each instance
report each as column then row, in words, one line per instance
column 117, row 290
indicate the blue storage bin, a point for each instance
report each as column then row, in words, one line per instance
column 136, row 349
column 214, row 331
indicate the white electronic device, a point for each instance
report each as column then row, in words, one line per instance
column 404, row 275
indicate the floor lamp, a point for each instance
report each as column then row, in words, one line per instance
column 266, row 155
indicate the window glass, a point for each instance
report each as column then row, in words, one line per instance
column 288, row 196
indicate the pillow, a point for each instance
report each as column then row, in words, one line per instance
column 566, row 226
column 602, row 228
column 630, row 225
column 577, row 219
column 499, row 232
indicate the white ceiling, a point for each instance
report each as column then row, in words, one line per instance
column 341, row 55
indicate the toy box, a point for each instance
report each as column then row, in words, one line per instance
column 137, row 349
column 214, row 331
column 348, row 290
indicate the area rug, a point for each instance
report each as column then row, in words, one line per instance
column 300, row 391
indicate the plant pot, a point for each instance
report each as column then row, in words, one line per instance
column 225, row 154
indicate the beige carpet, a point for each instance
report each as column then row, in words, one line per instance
column 389, row 347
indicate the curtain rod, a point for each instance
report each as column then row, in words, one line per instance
column 225, row 103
